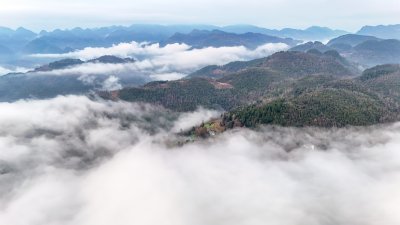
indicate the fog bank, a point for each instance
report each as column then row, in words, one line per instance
column 76, row 161
column 170, row 62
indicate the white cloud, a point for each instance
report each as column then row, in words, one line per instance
column 4, row 71
column 111, row 84
column 121, row 50
column 167, row 76
column 94, row 69
column 164, row 63
column 187, row 120
column 71, row 160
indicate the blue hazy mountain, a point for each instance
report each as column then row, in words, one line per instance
column 310, row 46
column 14, row 40
column 45, row 82
column 25, row 41
column 367, row 51
column 5, row 51
column 351, row 39
column 78, row 38
column 217, row 38
column 381, row 31
column 15, row 44
column 311, row 33
column 374, row 52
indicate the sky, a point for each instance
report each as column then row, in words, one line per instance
column 339, row 14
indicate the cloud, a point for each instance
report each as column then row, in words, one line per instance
column 4, row 71
column 72, row 160
column 111, row 84
column 167, row 76
column 171, row 62
column 121, row 50
column 188, row 120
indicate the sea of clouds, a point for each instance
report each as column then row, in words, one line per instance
column 170, row 62
column 79, row 161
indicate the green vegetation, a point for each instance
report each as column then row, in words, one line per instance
column 378, row 71
column 288, row 89
column 182, row 95
column 293, row 64
column 326, row 108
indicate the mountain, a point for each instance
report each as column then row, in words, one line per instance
column 369, row 99
column 239, row 83
column 287, row 89
column 5, row 31
column 242, row 29
column 15, row 87
column 351, row 40
column 381, row 31
column 311, row 33
column 385, row 80
column 58, row 41
column 73, row 39
column 14, row 40
column 68, row 63
column 47, row 81
column 58, row 65
column 157, row 33
column 367, row 51
column 110, row 59
column 311, row 45
column 375, row 52
column 5, row 51
column 23, row 34
column 217, row 38
column 41, row 46
column 372, row 98
column 288, row 63
column 78, row 38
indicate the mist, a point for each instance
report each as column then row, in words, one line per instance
column 75, row 160
column 4, row 71
column 174, row 60
column 152, row 63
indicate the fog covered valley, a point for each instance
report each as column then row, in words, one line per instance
column 72, row 160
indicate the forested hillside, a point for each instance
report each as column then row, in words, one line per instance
column 288, row 89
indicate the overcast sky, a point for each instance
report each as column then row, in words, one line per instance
column 341, row 14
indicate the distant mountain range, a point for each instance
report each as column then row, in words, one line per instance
column 46, row 81
column 365, row 50
column 311, row 33
column 381, row 31
column 15, row 39
column 217, row 38
column 23, row 41
column 351, row 40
